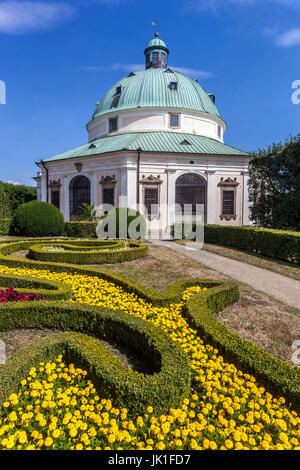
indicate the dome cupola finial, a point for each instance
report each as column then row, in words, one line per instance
column 156, row 53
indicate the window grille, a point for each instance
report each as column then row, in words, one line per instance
column 113, row 124
column 191, row 190
column 80, row 192
column 228, row 202
column 151, row 200
column 174, row 120
column 55, row 198
column 109, row 196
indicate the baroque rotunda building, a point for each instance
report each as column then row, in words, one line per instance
column 155, row 138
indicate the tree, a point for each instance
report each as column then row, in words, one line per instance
column 274, row 186
column 87, row 212
column 12, row 196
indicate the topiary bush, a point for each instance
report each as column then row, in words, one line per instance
column 81, row 229
column 123, row 222
column 37, row 218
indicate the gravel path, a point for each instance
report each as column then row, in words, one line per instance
column 283, row 288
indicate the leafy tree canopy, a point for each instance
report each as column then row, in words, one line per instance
column 12, row 196
column 274, row 186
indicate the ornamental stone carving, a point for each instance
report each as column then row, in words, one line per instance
column 54, row 184
column 151, row 179
column 108, row 179
column 78, row 166
column 228, row 182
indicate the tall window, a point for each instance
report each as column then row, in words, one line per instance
column 191, row 190
column 219, row 131
column 55, row 198
column 80, row 192
column 229, row 188
column 151, row 201
column 109, row 196
column 228, row 202
column 113, row 124
column 174, row 120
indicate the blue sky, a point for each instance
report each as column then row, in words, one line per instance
column 57, row 58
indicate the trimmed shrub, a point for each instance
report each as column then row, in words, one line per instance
column 88, row 253
column 158, row 299
column 278, row 244
column 124, row 224
column 165, row 386
column 37, row 218
column 81, row 229
column 5, row 226
column 277, row 376
column 49, row 290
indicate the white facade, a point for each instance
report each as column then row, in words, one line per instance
column 122, row 168
column 156, row 137
column 158, row 119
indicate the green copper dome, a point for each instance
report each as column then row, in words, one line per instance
column 154, row 87
column 156, row 42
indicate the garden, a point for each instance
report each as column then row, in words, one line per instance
column 118, row 365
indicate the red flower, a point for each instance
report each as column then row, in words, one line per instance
column 11, row 295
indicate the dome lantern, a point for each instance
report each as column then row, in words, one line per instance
column 156, row 53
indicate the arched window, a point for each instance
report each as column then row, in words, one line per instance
column 191, row 189
column 80, row 192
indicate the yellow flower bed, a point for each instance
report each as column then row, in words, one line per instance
column 57, row 407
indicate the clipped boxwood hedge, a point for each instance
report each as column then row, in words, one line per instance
column 121, row 221
column 85, row 253
column 278, row 244
column 167, row 387
column 49, row 290
column 158, row 299
column 276, row 375
column 81, row 229
column 77, row 251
